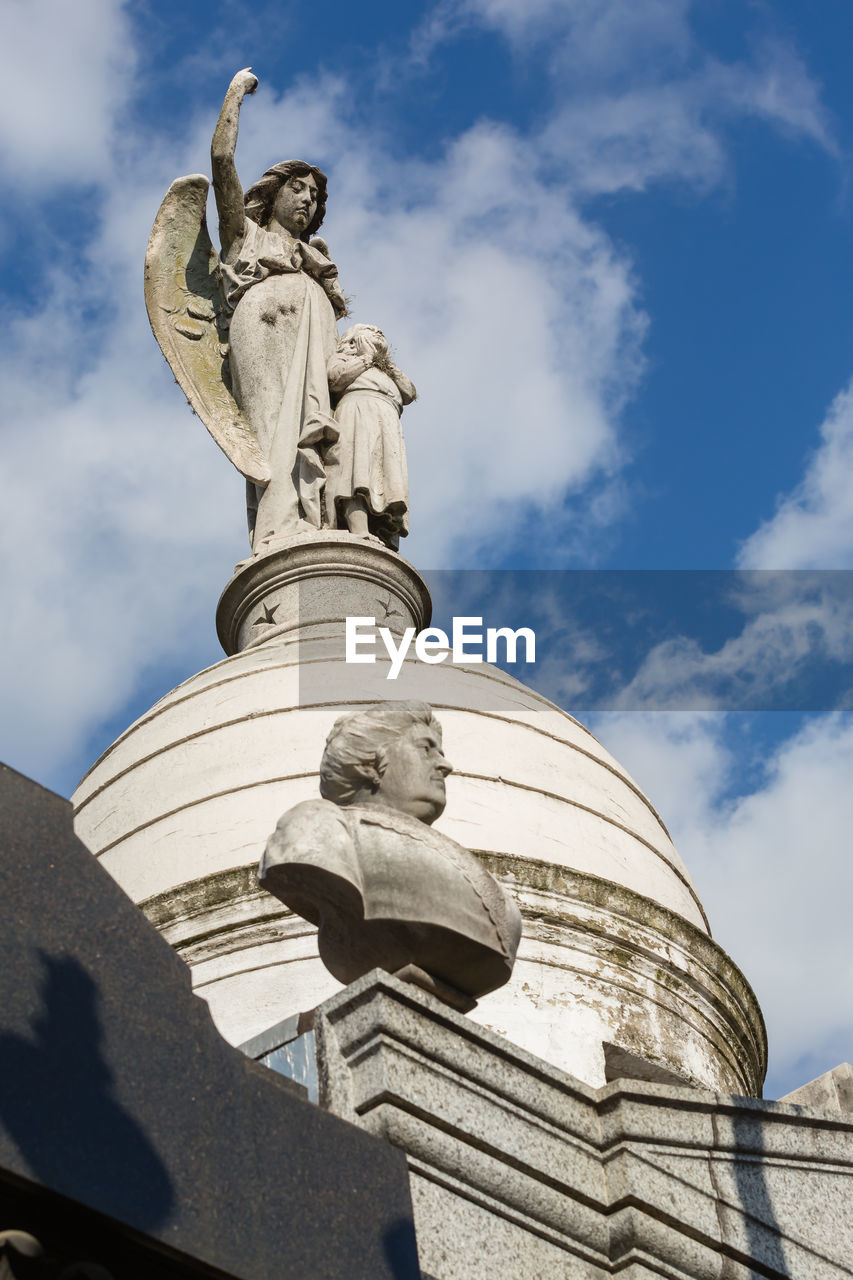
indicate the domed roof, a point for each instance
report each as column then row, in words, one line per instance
column 528, row 780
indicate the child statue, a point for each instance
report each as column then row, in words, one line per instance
column 367, row 485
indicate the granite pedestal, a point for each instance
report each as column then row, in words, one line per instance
column 520, row 1170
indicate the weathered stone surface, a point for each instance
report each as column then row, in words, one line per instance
column 529, row 1165
column 635, row 989
column 119, row 1094
column 185, row 308
column 767, row 1180
column 209, row 768
column 615, row 948
column 833, row 1091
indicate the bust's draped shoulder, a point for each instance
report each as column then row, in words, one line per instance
column 311, row 848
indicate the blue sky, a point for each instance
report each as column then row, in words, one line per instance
column 610, row 241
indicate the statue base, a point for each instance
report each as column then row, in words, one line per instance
column 312, row 581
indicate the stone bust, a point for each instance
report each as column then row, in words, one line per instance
column 365, row 866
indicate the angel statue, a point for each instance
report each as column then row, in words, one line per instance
column 248, row 332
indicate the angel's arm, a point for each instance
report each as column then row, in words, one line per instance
column 226, row 184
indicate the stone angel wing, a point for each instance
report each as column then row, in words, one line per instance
column 187, row 313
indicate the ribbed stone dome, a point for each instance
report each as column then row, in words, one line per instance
column 616, row 974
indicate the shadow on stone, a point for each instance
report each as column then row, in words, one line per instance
column 763, row 1234
column 401, row 1250
column 77, row 1137
column 131, row 1133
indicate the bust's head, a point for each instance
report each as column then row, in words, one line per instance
column 388, row 755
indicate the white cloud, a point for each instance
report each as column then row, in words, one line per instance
column 112, row 504
column 813, row 525
column 779, row 872
column 596, row 36
column 673, row 127
column 636, row 99
column 630, row 140
column 677, row 758
column 796, row 627
column 121, row 519
column 66, row 71
column 772, row 866
column 515, row 318
column 778, row 88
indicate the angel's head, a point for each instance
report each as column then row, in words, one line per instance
column 295, row 192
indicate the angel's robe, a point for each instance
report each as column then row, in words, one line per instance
column 386, row 891
column 281, row 334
